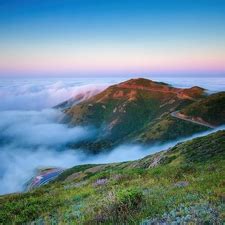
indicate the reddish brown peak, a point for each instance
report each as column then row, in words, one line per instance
column 197, row 88
column 145, row 84
column 195, row 91
column 142, row 82
column 129, row 90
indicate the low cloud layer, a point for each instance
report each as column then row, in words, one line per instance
column 37, row 95
column 38, row 128
column 32, row 139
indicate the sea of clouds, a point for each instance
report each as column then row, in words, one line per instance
column 32, row 136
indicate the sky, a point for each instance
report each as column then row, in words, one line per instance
column 117, row 37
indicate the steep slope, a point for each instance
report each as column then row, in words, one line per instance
column 211, row 109
column 173, row 186
column 123, row 111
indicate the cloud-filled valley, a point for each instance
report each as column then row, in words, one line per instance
column 32, row 136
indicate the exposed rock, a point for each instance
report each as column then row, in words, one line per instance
column 156, row 160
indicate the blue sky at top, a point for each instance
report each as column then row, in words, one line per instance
column 120, row 36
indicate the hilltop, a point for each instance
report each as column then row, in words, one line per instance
column 175, row 186
column 136, row 110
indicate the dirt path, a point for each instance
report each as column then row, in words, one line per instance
column 178, row 115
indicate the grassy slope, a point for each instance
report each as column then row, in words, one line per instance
column 210, row 109
column 185, row 183
column 168, row 128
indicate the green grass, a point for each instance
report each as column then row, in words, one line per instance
column 188, row 184
column 168, row 128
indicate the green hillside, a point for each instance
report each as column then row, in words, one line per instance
column 176, row 186
column 138, row 109
column 210, row 109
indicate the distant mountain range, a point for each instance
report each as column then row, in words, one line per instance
column 141, row 110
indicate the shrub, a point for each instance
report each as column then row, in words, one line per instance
column 127, row 200
column 119, row 206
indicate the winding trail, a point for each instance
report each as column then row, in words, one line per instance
column 178, row 115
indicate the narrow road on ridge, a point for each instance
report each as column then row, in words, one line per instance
column 177, row 115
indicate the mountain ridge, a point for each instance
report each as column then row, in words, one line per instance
column 148, row 85
column 123, row 111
